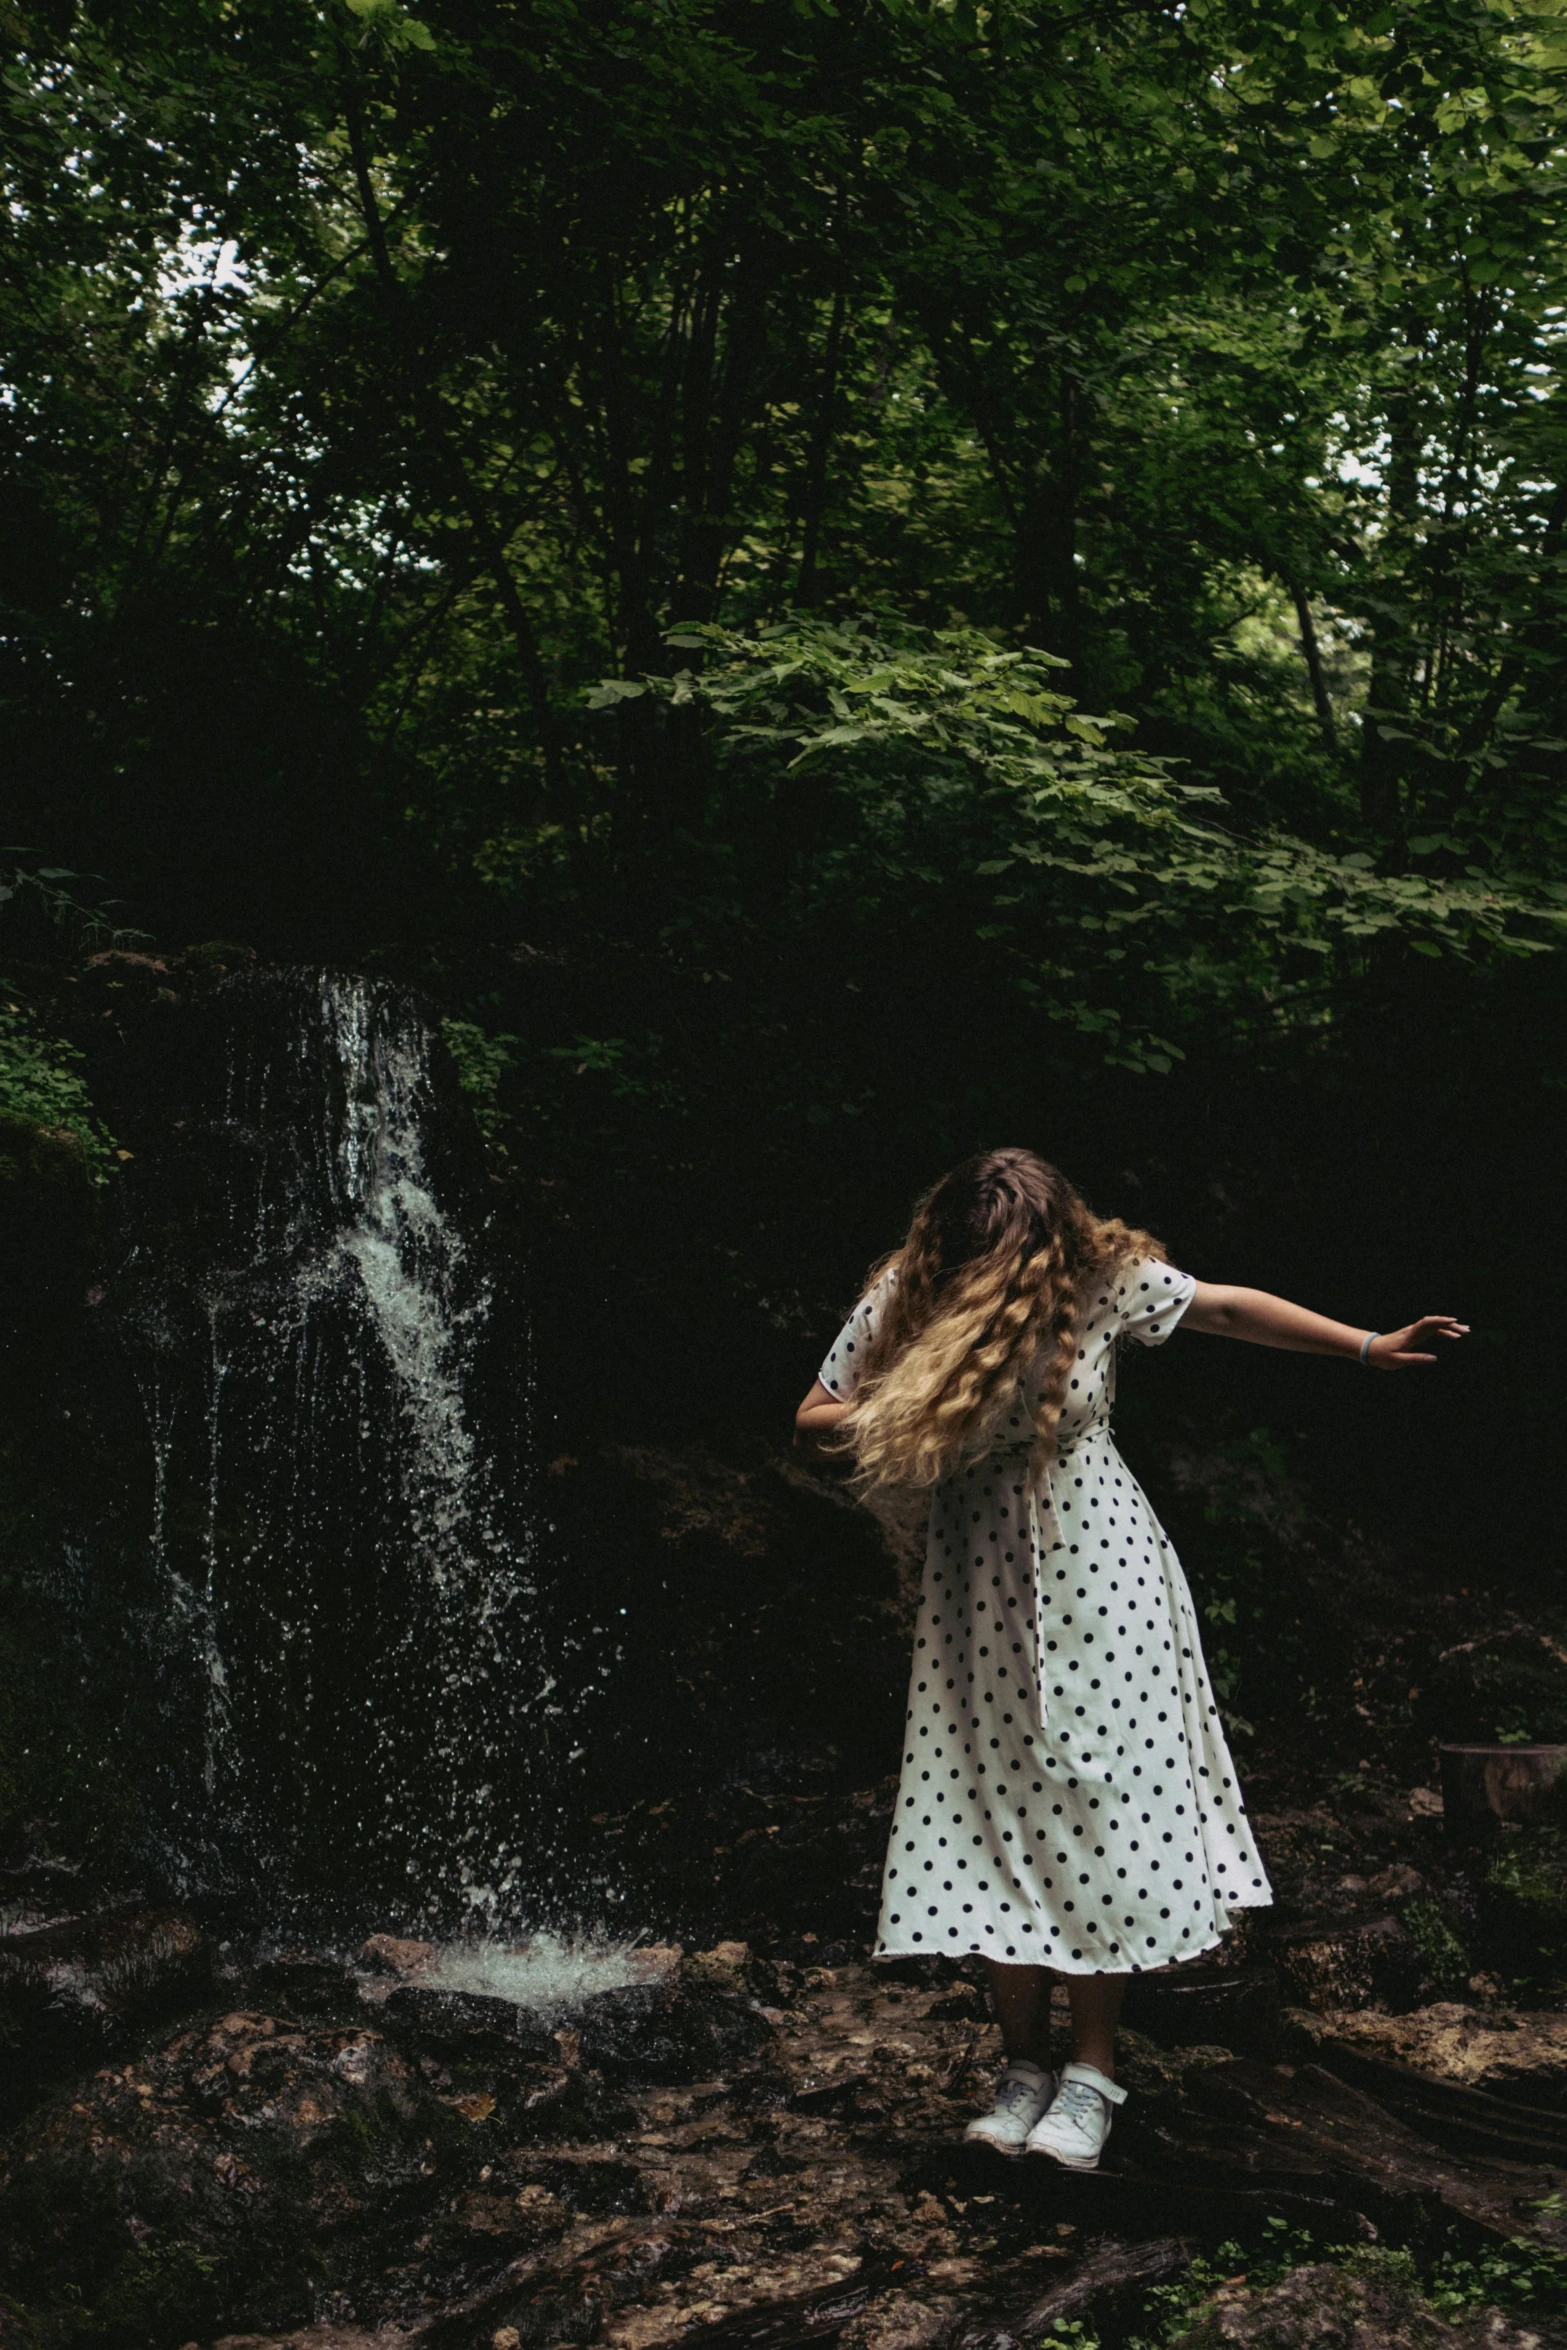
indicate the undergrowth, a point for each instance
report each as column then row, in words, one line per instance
column 40, row 1085
column 1516, row 2275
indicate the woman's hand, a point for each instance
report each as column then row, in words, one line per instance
column 1396, row 1350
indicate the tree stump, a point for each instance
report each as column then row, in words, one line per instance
column 1484, row 1785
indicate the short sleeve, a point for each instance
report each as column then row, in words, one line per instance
column 1150, row 1299
column 840, row 1373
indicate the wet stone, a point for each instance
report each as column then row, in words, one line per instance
column 685, row 2028
column 227, row 2175
column 77, row 1987
column 392, row 1954
column 902, row 2321
column 369, row 2184
column 466, row 2021
column 300, row 1983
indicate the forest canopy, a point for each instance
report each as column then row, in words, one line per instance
column 380, row 380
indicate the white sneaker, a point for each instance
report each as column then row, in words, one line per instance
column 1074, row 2130
column 1024, row 2094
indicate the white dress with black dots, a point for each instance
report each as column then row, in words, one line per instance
column 1067, row 1796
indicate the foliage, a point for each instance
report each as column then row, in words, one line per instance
column 381, row 380
column 158, row 2290
column 871, row 758
column 1521, row 2274
column 41, row 1084
column 1167, row 2309
column 1447, row 1963
column 1525, row 1903
column 36, row 905
column 481, row 1063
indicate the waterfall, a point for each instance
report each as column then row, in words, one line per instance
column 357, row 1686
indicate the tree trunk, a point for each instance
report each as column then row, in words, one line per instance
column 1047, row 537
column 1311, row 653
column 821, row 446
column 1387, row 697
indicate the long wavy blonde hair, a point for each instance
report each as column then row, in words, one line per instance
column 992, row 1275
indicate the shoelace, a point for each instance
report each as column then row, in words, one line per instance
column 1078, row 2101
column 1015, row 2092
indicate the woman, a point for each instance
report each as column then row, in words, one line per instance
column 1068, row 1804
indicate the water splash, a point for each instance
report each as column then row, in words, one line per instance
column 550, row 1975
column 359, row 1716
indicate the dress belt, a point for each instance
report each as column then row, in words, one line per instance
column 1064, row 1444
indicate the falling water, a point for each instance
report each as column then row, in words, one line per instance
column 356, row 1677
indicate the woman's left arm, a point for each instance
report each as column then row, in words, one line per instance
column 815, row 1420
column 1264, row 1320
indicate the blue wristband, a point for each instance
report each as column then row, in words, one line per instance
column 1365, row 1347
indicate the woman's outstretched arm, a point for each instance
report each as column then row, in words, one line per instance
column 1272, row 1321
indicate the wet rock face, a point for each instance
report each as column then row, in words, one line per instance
column 264, row 2169
column 1377, row 2308
column 73, row 1989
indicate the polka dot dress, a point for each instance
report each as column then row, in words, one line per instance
column 1067, row 1796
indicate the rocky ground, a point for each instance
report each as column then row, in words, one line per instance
column 762, row 2144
